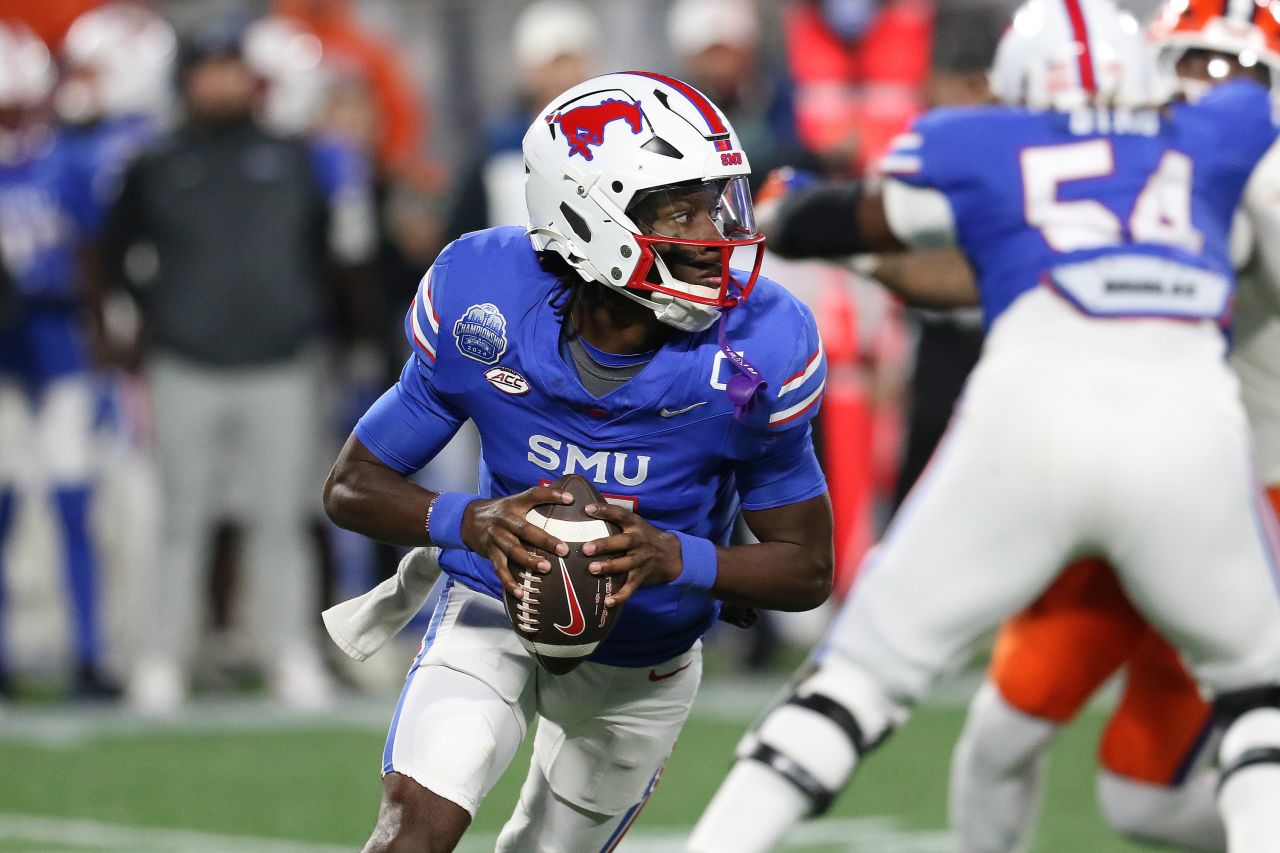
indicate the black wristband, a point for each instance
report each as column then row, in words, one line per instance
column 819, row 222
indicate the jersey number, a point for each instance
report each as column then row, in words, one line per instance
column 1161, row 215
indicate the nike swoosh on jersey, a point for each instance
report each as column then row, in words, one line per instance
column 671, row 413
column 653, row 673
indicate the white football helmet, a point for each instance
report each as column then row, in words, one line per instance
column 1246, row 29
column 26, row 69
column 118, row 61
column 26, row 79
column 289, row 58
column 1064, row 54
column 607, row 157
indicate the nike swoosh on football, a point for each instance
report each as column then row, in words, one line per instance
column 653, row 673
column 671, row 413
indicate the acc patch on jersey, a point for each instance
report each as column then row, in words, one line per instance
column 507, row 381
column 481, row 333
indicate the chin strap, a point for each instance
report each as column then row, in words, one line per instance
column 742, row 386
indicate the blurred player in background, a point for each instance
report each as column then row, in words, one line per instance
column 1098, row 230
column 252, row 238
column 115, row 95
column 609, row 337
column 554, row 44
column 46, row 396
column 1049, row 660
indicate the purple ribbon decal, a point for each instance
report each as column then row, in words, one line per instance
column 745, row 383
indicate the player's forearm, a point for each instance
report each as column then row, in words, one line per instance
column 364, row 495
column 927, row 278
column 774, row 575
column 830, row 221
column 790, row 568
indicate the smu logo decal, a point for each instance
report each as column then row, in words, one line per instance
column 481, row 333
column 584, row 127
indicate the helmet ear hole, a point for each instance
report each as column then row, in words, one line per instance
column 576, row 222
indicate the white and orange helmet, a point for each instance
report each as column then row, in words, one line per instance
column 1246, row 29
column 1064, row 54
column 605, row 147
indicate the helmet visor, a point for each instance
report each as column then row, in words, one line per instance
column 687, row 236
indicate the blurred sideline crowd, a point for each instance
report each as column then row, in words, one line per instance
column 209, row 235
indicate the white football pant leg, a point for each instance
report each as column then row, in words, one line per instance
column 1250, row 758
column 453, row 735
column 64, row 425
column 968, row 548
column 997, row 774
column 1206, row 579
column 545, row 823
column 1185, row 816
column 797, row 759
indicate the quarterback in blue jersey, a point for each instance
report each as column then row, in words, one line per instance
column 1097, row 230
column 612, row 339
column 46, row 211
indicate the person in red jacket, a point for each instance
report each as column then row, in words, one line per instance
column 860, row 68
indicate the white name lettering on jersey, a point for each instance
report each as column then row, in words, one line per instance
column 546, row 453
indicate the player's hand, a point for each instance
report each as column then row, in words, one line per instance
column 495, row 528
column 652, row 556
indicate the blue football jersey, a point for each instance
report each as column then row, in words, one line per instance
column 101, row 152
column 1038, row 197
column 45, row 210
column 665, row 444
column 338, row 166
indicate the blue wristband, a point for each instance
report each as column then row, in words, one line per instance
column 444, row 521
column 699, row 562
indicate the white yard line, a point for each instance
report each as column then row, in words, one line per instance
column 860, row 834
column 95, row 835
column 865, row 835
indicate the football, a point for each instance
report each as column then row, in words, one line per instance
column 562, row 617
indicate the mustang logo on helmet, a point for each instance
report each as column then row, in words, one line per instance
column 584, row 126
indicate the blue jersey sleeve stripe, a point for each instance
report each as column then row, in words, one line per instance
column 811, row 367
column 788, row 415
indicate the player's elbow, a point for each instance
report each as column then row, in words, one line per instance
column 340, row 496
column 818, row 579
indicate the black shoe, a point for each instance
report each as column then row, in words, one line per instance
column 90, row 683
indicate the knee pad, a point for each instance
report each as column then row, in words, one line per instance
column 816, row 736
column 1251, row 719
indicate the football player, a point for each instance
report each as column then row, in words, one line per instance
column 1050, row 658
column 45, row 212
column 614, row 338
column 115, row 93
column 1098, row 232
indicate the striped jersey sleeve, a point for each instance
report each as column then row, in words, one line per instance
column 422, row 322
column 799, row 395
column 940, row 150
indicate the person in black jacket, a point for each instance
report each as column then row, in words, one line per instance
column 229, row 238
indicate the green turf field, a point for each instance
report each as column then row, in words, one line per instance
column 236, row 777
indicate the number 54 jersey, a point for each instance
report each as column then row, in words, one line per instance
column 1124, row 213
column 488, row 346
